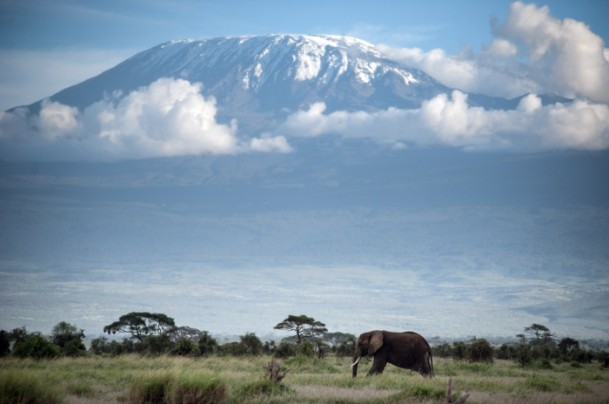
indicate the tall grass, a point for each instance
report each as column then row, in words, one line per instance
column 242, row 380
column 172, row 387
column 19, row 386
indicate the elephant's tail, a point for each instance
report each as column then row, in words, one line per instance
column 430, row 363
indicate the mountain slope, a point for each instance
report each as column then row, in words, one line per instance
column 267, row 76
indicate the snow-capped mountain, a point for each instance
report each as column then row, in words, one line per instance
column 269, row 76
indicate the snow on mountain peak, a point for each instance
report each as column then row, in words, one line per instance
column 302, row 57
column 259, row 79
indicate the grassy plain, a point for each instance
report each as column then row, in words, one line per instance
column 228, row 379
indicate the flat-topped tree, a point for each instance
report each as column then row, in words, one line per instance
column 141, row 324
column 304, row 326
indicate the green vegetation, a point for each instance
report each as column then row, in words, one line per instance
column 160, row 362
column 174, row 379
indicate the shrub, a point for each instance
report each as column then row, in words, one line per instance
column 22, row 387
column 603, row 358
column 206, row 344
column 157, row 344
column 480, row 351
column 184, row 347
column 232, row 348
column 346, row 348
column 305, row 348
column 285, row 350
column 251, row 344
column 5, row 343
column 523, row 354
column 37, row 347
column 100, row 346
column 459, row 350
column 69, row 338
column 74, row 348
column 443, row 350
column 505, row 352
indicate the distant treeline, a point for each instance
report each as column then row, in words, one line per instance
column 157, row 334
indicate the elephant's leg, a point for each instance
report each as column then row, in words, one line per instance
column 378, row 365
column 425, row 369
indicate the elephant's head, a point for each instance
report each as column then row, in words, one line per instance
column 367, row 344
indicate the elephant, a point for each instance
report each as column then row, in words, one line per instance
column 407, row 350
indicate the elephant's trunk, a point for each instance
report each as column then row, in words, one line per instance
column 356, row 358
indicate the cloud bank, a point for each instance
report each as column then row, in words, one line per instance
column 170, row 117
column 532, row 52
column 451, row 121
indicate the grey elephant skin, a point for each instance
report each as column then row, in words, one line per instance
column 407, row 350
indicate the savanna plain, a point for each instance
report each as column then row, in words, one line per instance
column 142, row 379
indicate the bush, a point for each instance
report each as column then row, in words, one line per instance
column 251, row 344
column 285, row 350
column 184, row 347
column 480, row 351
column 157, row 344
column 5, row 343
column 206, row 344
column 232, row 348
column 346, row 348
column 459, row 350
column 305, row 348
column 505, row 352
column 523, row 354
column 442, row 351
column 37, row 347
column 74, row 348
column 69, row 338
column 100, row 346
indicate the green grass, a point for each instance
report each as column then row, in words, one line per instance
column 20, row 386
column 138, row 379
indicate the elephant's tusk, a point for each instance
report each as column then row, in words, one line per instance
column 356, row 361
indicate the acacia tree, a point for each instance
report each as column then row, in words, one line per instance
column 568, row 346
column 305, row 327
column 141, row 325
column 540, row 332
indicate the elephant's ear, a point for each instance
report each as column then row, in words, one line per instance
column 376, row 342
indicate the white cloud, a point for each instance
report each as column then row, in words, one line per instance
column 57, row 120
column 451, row 121
column 565, row 56
column 533, row 52
column 170, row 117
column 484, row 74
column 270, row 144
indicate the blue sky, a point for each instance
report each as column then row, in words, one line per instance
column 46, row 46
